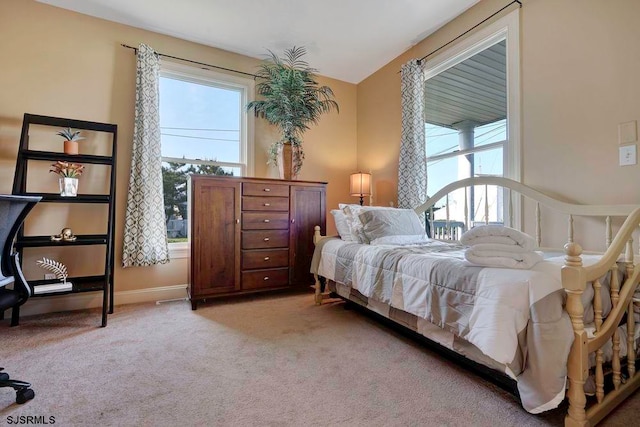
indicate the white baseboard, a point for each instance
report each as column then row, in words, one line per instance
column 94, row 299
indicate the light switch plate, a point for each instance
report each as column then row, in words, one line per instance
column 627, row 132
column 628, row 155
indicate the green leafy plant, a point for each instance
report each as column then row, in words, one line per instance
column 66, row 169
column 70, row 135
column 291, row 99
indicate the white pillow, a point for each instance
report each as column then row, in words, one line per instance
column 382, row 224
column 352, row 213
column 355, row 228
column 342, row 225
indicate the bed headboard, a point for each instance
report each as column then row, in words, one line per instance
column 512, row 195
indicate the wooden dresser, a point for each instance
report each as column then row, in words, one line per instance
column 251, row 234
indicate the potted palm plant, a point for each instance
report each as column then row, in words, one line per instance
column 291, row 99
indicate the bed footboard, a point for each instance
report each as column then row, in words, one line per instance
column 622, row 378
column 614, row 381
column 616, row 331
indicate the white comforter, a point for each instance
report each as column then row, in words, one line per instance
column 508, row 314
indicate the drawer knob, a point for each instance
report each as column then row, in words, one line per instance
column 267, row 189
column 265, row 278
column 267, row 204
column 266, row 220
column 266, row 258
column 266, row 239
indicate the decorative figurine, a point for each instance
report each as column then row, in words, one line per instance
column 66, row 235
column 58, row 268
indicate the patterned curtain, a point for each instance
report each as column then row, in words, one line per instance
column 412, row 168
column 145, row 231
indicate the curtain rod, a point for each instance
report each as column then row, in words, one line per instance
column 470, row 29
column 194, row 62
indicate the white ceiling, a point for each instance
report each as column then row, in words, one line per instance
column 345, row 39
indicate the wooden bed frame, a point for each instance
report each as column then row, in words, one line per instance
column 620, row 251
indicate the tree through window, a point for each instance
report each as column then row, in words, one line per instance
column 203, row 131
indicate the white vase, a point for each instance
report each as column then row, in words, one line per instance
column 68, row 187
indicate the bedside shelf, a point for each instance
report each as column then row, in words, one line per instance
column 80, row 198
column 80, row 284
column 72, row 158
column 29, row 159
column 43, row 241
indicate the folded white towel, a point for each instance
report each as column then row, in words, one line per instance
column 497, row 234
column 506, row 259
column 487, row 249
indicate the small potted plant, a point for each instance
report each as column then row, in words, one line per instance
column 71, row 138
column 69, row 173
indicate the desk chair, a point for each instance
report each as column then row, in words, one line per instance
column 13, row 211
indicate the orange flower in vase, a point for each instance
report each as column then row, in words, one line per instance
column 69, row 173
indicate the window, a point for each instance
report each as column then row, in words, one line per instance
column 204, row 129
column 471, row 120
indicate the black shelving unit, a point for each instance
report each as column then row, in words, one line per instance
column 97, row 283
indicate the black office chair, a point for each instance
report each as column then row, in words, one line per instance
column 13, row 211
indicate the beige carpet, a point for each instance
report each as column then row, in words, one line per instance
column 275, row 360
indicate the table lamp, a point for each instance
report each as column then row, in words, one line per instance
column 360, row 185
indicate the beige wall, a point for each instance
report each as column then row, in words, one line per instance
column 580, row 73
column 60, row 63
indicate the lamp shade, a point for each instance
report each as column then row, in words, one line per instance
column 360, row 184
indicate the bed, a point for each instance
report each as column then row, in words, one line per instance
column 558, row 327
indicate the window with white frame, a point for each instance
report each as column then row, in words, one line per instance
column 471, row 121
column 204, row 129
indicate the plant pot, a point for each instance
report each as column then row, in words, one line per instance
column 71, row 147
column 68, row 187
column 285, row 162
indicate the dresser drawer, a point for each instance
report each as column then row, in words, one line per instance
column 255, row 203
column 261, row 258
column 265, row 221
column 273, row 278
column 265, row 189
column 265, row 239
